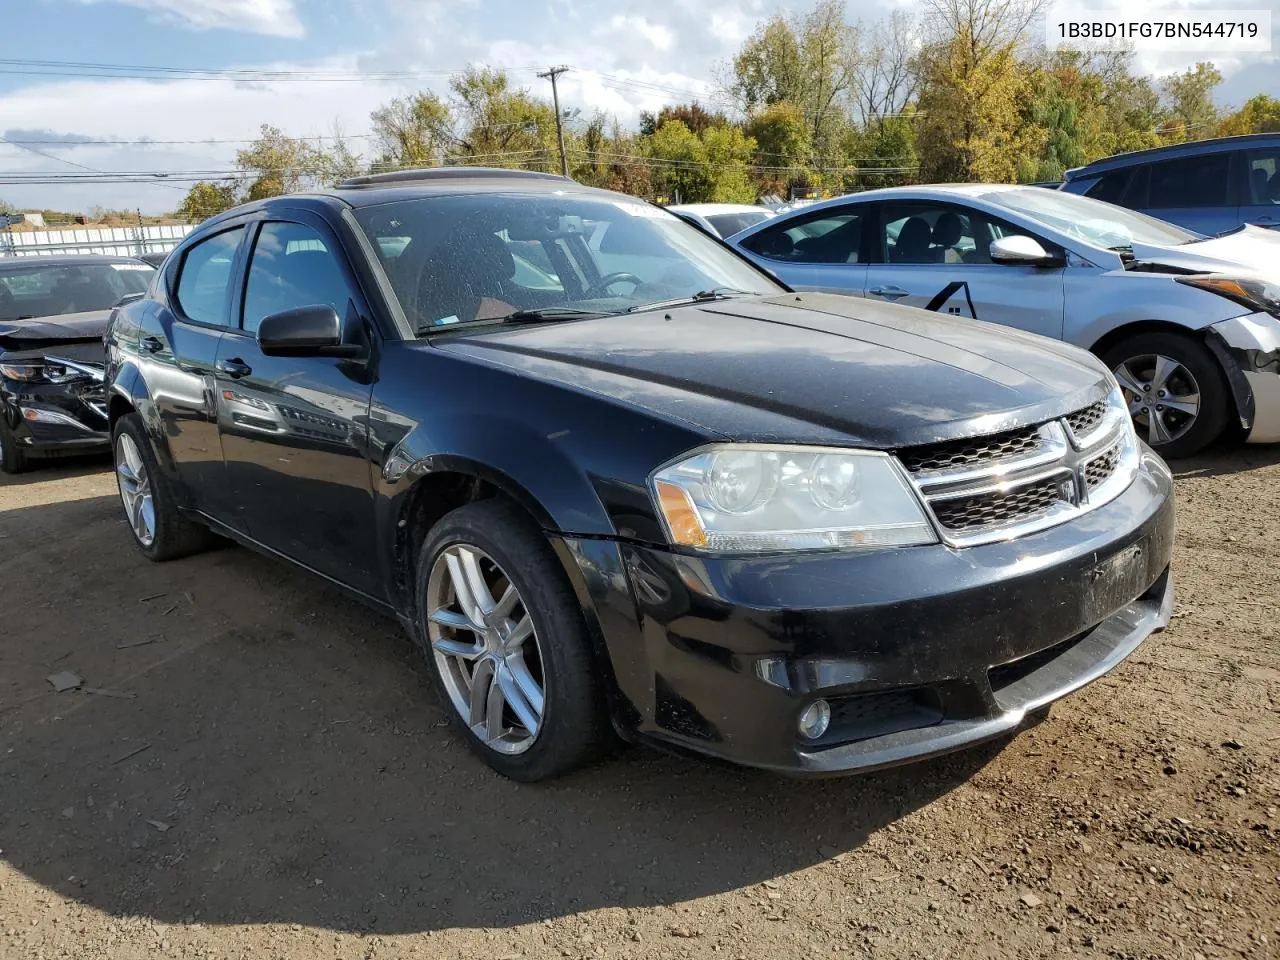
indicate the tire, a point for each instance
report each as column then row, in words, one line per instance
column 13, row 459
column 1172, row 433
column 508, row 550
column 171, row 535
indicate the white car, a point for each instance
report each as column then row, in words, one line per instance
column 721, row 219
column 1190, row 325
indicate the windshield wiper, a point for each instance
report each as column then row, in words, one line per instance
column 702, row 296
column 544, row 314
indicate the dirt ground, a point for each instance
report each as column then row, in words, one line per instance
column 263, row 771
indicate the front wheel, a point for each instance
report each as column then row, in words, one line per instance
column 13, row 459
column 1176, row 391
column 507, row 644
column 158, row 528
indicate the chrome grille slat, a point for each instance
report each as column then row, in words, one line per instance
column 1008, row 484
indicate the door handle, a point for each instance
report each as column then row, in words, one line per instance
column 889, row 293
column 235, row 368
column 152, row 344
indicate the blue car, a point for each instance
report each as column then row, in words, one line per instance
column 1210, row 186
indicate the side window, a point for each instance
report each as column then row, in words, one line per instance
column 1191, row 182
column 1110, row 186
column 931, row 233
column 1264, row 176
column 292, row 266
column 830, row 237
column 205, row 280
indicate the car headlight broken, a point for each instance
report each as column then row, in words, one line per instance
column 753, row 498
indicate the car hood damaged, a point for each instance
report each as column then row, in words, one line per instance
column 808, row 368
column 1254, row 249
column 73, row 336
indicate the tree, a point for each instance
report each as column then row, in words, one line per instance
column 1260, row 115
column 412, row 131
column 888, row 144
column 889, row 71
column 728, row 153
column 501, row 125
column 810, row 61
column 693, row 115
column 205, row 200
column 282, row 164
column 680, row 171
column 783, row 146
column 972, row 90
column 1191, row 113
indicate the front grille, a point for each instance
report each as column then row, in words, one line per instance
column 965, row 514
column 1084, row 422
column 1099, row 469
column 954, row 454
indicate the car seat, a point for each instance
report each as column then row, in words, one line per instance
column 947, row 231
column 459, row 274
column 913, row 242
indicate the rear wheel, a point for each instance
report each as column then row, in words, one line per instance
column 158, row 528
column 13, row 459
column 507, row 644
column 1176, row 391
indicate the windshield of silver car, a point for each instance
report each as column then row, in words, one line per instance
column 502, row 256
column 1093, row 221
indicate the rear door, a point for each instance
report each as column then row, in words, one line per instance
column 822, row 250
column 937, row 256
column 295, row 430
column 1260, row 203
column 177, row 351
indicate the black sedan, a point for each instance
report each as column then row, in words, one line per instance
column 613, row 478
column 53, row 313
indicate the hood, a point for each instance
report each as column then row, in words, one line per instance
column 15, row 334
column 1252, row 249
column 806, row 368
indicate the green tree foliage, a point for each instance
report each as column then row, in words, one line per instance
column 412, row 131
column 693, row 115
column 1259, row 115
column 1191, row 113
column 281, row 164
column 501, row 125
column 729, row 152
column 205, row 200
column 680, row 169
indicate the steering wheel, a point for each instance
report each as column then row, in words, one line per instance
column 601, row 287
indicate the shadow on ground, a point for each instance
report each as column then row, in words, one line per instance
column 1227, row 457
column 266, row 750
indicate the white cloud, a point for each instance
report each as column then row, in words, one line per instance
column 278, row 18
column 657, row 34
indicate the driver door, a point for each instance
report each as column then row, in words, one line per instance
column 936, row 256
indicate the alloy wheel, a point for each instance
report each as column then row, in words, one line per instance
column 1162, row 394
column 135, row 490
column 486, row 649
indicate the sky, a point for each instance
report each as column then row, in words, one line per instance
column 625, row 56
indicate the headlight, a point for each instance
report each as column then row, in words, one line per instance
column 43, row 372
column 1252, row 293
column 749, row 498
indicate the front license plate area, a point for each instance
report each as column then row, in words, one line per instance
column 1117, row 581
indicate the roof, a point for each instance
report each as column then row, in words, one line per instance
column 438, row 174
column 65, row 260
column 1213, row 145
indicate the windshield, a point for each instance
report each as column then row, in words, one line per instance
column 1093, row 221
column 463, row 259
column 727, row 224
column 50, row 290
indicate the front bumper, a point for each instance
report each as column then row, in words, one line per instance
column 919, row 650
column 50, row 420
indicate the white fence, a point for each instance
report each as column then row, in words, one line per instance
column 120, row 241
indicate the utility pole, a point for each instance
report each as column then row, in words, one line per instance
column 551, row 74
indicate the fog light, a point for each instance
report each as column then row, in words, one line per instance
column 815, row 719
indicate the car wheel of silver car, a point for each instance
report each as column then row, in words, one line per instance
column 1175, row 388
column 507, row 644
column 158, row 528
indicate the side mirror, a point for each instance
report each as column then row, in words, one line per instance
column 311, row 331
column 1023, row 252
